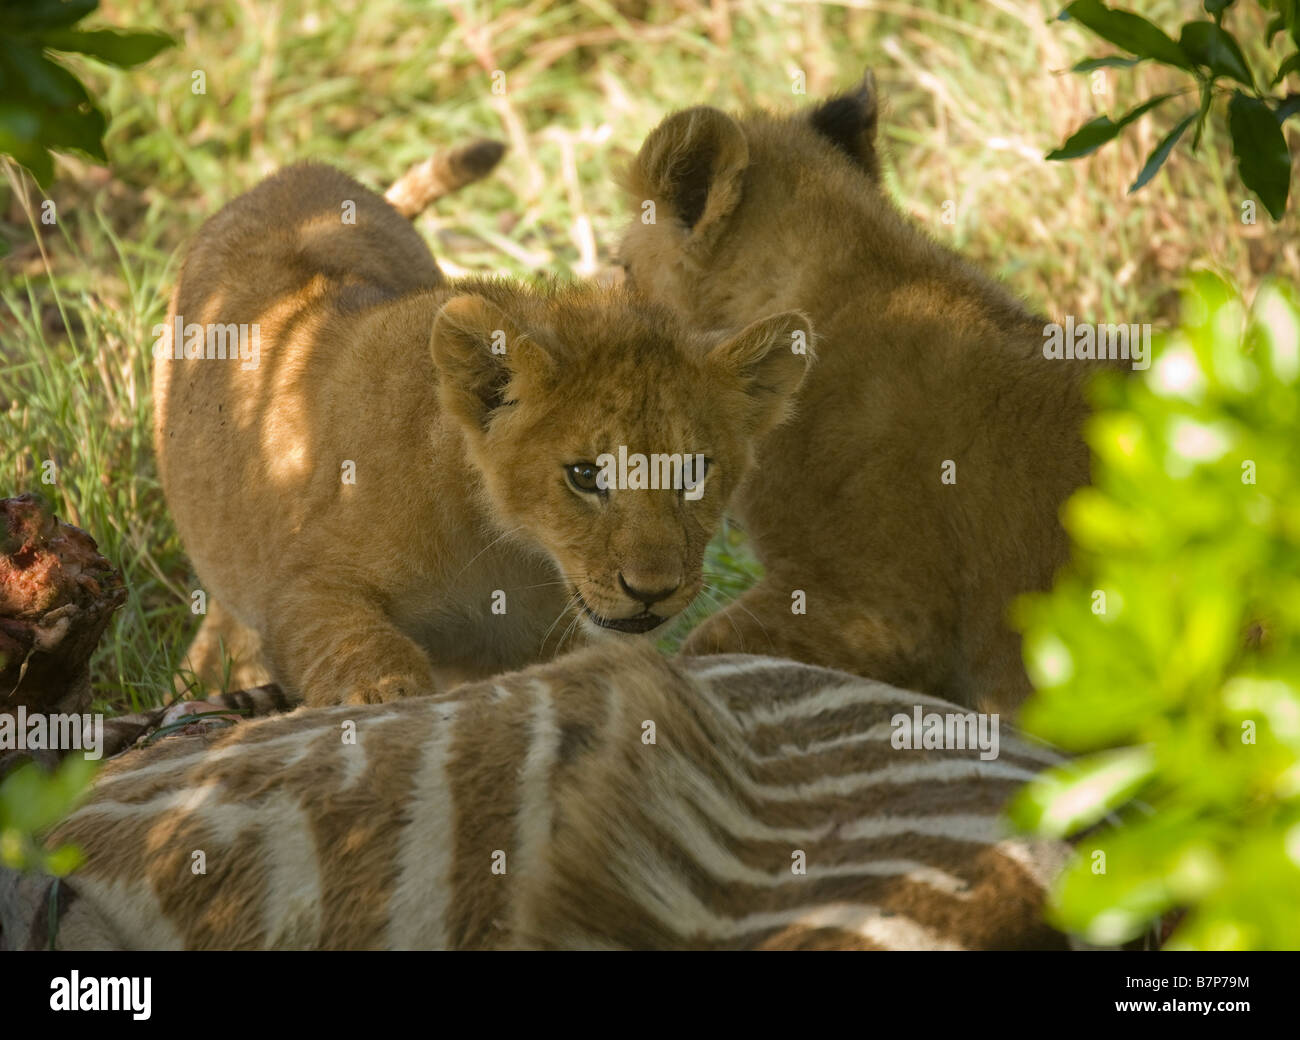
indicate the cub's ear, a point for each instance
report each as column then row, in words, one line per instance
column 484, row 359
column 692, row 165
column 770, row 357
column 849, row 123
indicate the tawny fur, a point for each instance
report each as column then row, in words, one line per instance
column 921, row 360
column 370, row 362
column 610, row 799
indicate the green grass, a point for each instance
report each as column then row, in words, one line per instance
column 975, row 95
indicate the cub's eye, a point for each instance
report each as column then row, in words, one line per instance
column 582, row 475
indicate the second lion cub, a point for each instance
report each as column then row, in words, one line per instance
column 916, row 493
column 393, row 486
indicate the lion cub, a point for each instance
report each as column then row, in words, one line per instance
column 917, row 490
column 388, row 484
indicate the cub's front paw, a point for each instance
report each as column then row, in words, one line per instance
column 390, row 688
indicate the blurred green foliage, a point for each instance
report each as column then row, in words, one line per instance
column 1168, row 656
column 31, row 802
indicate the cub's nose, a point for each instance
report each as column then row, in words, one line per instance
column 644, row 595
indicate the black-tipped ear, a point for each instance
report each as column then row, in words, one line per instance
column 849, row 121
column 692, row 165
column 481, row 357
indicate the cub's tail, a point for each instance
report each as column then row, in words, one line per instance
column 256, row 701
column 441, row 174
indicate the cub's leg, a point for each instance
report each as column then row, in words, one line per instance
column 343, row 647
column 220, row 636
column 905, row 650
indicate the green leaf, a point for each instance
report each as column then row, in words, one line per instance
column 1114, row 61
column 1157, row 158
column 1260, row 147
column 42, row 79
column 1127, row 30
column 1292, row 64
column 1138, row 883
column 1217, row 7
column 64, row 860
column 1289, row 106
column 1088, row 138
column 120, row 48
column 1095, row 133
column 41, row 90
column 39, row 164
column 20, row 126
column 35, row 15
column 1068, row 798
column 83, row 131
column 1286, row 20
column 1217, row 49
column 33, row 800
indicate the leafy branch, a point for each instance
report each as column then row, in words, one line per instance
column 1214, row 58
column 45, row 107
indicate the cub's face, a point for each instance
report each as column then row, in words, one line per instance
column 610, row 436
column 730, row 214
